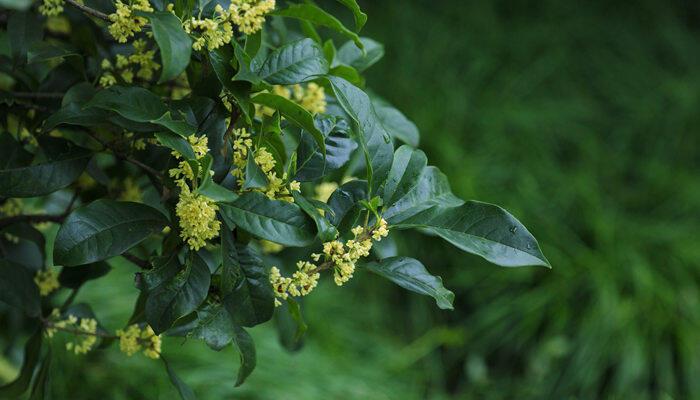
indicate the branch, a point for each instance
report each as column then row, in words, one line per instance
column 89, row 11
column 149, row 170
column 140, row 262
column 37, row 218
column 37, row 95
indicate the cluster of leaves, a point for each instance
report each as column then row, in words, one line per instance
column 72, row 145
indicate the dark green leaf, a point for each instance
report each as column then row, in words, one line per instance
column 312, row 165
column 182, row 128
column 42, row 179
column 349, row 54
column 246, row 350
column 177, row 143
column 274, row 220
column 294, row 113
column 211, row 189
column 295, row 62
column 133, row 103
column 104, row 229
column 374, row 139
column 326, row 230
column 214, row 326
column 247, row 293
column 178, row 296
column 73, row 114
column 254, row 175
column 345, row 204
column 360, row 17
column 17, row 288
column 16, row 4
column 317, row 16
column 75, row 277
column 404, row 175
column 182, row 389
column 482, row 229
column 22, row 34
column 174, row 43
column 12, row 154
column 41, row 388
column 398, row 126
column 32, row 351
column 411, row 274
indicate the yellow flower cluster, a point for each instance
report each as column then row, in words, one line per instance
column 124, row 23
column 301, row 283
column 11, row 207
column 336, row 254
column 213, row 32
column 134, row 339
column 130, row 190
column 197, row 213
column 141, row 61
column 276, row 188
column 51, row 8
column 84, row 330
column 249, row 15
column 47, row 281
column 312, row 98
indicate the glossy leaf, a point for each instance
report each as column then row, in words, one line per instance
column 48, row 177
column 254, row 175
column 312, row 165
column 133, row 103
column 317, row 16
column 32, row 351
column 75, row 277
column 176, row 142
column 74, row 114
column 398, row 126
column 294, row 113
column 17, row 288
column 246, row 290
column 326, row 230
column 183, row 390
column 295, row 62
column 41, row 389
column 104, row 229
column 174, row 43
column 274, row 220
column 411, row 274
column 349, row 54
column 214, row 326
column 404, row 175
column 178, row 296
column 344, row 203
column 360, row 17
column 246, row 350
column 482, row 229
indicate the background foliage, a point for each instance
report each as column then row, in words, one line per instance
column 582, row 120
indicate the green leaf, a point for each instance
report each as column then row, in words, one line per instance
column 16, row 4
column 182, row 389
column 398, row 126
column 178, row 296
column 326, row 230
column 74, row 114
column 360, row 17
column 411, row 274
column 295, row 312
column 254, row 175
column 482, row 229
column 246, row 350
column 177, row 143
column 17, row 288
column 75, row 277
column 274, row 220
column 180, row 127
column 295, row 62
column 103, row 229
column 246, row 290
column 374, row 139
column 41, row 389
column 211, row 189
column 294, row 113
column 349, row 54
column 311, row 164
column 133, row 103
column 32, row 351
column 174, row 43
column 244, row 73
column 404, row 175
column 315, row 15
column 41, row 179
column 22, row 34
column 214, row 326
column 345, row 204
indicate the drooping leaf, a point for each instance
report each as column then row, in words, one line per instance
column 312, row 165
column 254, row 175
column 326, row 230
column 411, row 274
column 317, row 16
column 214, row 326
column 41, row 387
column 174, row 43
column 183, row 390
column 294, row 113
column 246, row 290
column 41, row 179
column 344, row 203
column 398, row 126
column 295, row 62
column 349, row 54
column 374, row 139
column 360, row 17
column 404, row 175
column 32, row 351
column 17, row 288
column 133, row 103
column 246, row 350
column 103, row 229
column 177, row 143
column 178, row 296
column 274, row 220
column 482, row 229
column 74, row 114
column 182, row 128
column 75, row 277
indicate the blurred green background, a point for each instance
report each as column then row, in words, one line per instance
column 583, row 120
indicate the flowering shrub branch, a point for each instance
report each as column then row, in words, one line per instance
column 235, row 161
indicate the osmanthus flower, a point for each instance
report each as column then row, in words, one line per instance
column 47, row 281
column 249, row 15
column 311, row 97
column 140, row 64
column 125, row 23
column 83, row 331
column 210, row 33
column 51, row 8
column 134, row 339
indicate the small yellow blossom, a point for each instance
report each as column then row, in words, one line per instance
column 11, row 207
column 84, row 330
column 124, row 23
column 313, row 99
column 249, row 15
column 197, row 215
column 295, row 186
column 213, row 32
column 47, row 281
column 130, row 190
column 302, row 282
column 51, row 8
column 134, row 339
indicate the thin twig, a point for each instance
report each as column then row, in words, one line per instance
column 38, row 218
column 37, row 95
column 89, row 11
column 139, row 262
column 126, row 158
